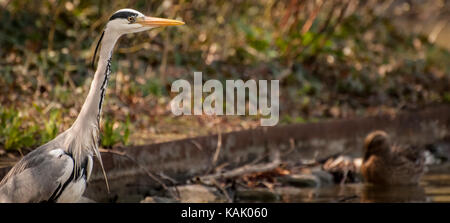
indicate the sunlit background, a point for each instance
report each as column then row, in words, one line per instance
column 334, row 59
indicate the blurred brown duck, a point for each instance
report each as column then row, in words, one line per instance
column 388, row 164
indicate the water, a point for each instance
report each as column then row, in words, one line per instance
column 432, row 188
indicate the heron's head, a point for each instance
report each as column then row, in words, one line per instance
column 376, row 143
column 131, row 21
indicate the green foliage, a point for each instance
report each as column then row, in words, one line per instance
column 152, row 87
column 22, row 131
column 15, row 134
column 259, row 39
column 12, row 133
column 50, row 130
column 287, row 119
column 114, row 133
column 447, row 97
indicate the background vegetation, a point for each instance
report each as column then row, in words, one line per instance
column 334, row 59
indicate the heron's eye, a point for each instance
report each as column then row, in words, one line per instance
column 131, row 19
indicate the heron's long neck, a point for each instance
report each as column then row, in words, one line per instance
column 83, row 137
column 89, row 116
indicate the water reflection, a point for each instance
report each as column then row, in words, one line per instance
column 433, row 188
column 396, row 194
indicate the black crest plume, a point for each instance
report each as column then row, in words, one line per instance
column 96, row 49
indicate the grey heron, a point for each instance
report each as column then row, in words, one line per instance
column 59, row 170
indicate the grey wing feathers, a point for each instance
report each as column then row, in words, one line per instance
column 38, row 177
column 33, row 158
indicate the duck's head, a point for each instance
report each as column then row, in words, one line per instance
column 376, row 143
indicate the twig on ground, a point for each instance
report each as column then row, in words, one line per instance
column 246, row 169
column 149, row 174
column 223, row 190
column 218, row 148
column 216, row 154
column 163, row 175
column 197, row 145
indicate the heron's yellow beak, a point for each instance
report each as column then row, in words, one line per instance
column 158, row 22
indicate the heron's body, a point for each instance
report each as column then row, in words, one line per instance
column 49, row 173
column 59, row 170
